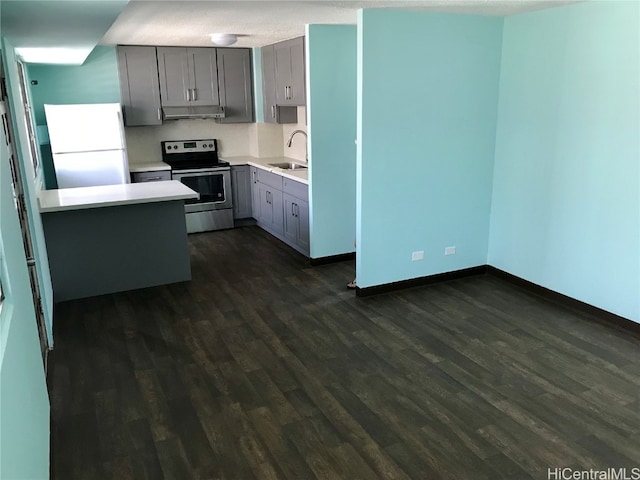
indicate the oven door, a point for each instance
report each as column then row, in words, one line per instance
column 213, row 185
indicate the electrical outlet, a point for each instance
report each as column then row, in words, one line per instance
column 415, row 256
column 450, row 251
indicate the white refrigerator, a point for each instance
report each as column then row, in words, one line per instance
column 88, row 144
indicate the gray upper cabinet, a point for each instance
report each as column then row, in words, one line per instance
column 235, row 81
column 289, row 68
column 269, row 84
column 205, row 76
column 139, row 85
column 188, row 76
column 272, row 112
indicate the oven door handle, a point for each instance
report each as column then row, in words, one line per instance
column 176, row 175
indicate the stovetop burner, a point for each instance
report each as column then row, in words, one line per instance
column 192, row 154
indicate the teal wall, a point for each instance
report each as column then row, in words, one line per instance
column 427, row 106
column 331, row 110
column 566, row 197
column 32, row 182
column 95, row 81
column 24, row 403
column 258, row 106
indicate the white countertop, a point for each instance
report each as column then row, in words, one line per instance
column 112, row 195
column 301, row 176
column 148, row 167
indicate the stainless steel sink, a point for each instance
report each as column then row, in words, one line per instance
column 288, row 166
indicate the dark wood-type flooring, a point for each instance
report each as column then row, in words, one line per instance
column 263, row 368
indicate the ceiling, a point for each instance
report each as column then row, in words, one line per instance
column 66, row 24
column 85, row 23
column 259, row 23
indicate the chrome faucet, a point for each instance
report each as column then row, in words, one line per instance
column 306, row 155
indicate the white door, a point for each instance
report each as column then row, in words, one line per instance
column 85, row 128
column 21, row 207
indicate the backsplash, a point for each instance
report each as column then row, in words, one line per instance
column 255, row 139
column 298, row 149
column 143, row 143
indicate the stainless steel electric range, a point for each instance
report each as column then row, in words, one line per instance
column 195, row 163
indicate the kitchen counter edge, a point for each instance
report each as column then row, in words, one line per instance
column 66, row 199
column 301, row 176
column 148, row 167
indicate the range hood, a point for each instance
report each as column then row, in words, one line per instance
column 176, row 113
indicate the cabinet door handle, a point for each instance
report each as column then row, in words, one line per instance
column 273, row 111
column 194, row 95
column 254, row 176
column 290, row 92
column 188, row 94
column 159, row 113
column 293, row 213
column 297, row 210
column 152, row 179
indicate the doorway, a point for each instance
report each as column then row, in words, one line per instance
column 20, row 201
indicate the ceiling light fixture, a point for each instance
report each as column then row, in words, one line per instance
column 54, row 55
column 224, row 39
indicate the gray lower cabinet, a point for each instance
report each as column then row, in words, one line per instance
column 234, row 83
column 281, row 207
column 151, row 176
column 296, row 214
column 139, row 86
column 255, row 198
column 296, row 221
column 266, row 191
column 272, row 112
column 271, row 214
column 241, row 190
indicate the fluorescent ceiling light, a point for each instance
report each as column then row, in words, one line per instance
column 224, row 39
column 54, row 55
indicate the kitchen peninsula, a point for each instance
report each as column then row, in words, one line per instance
column 113, row 238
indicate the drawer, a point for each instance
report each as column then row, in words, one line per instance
column 268, row 178
column 159, row 176
column 296, row 189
